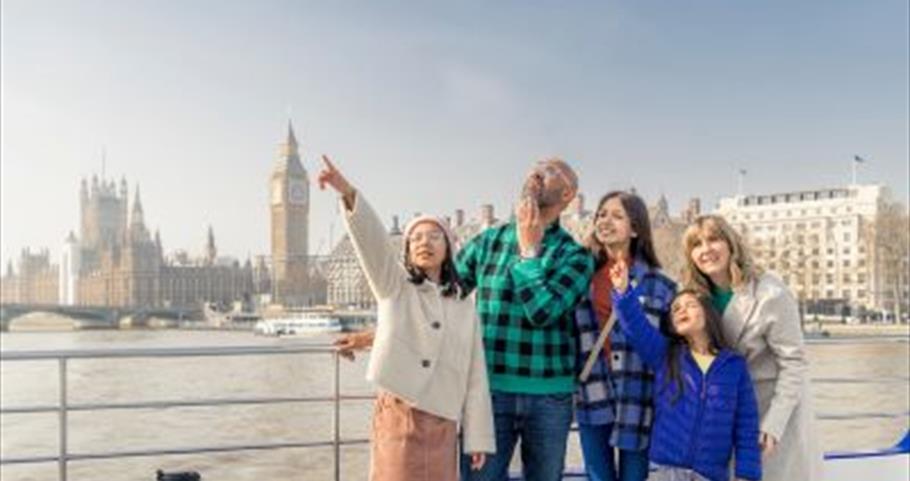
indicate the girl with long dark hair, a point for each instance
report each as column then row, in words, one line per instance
column 705, row 407
column 614, row 407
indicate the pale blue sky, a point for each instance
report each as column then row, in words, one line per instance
column 431, row 108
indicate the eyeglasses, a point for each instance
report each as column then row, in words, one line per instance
column 552, row 171
column 433, row 236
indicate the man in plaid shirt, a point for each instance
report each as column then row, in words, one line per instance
column 528, row 276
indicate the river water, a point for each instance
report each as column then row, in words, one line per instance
column 137, row 380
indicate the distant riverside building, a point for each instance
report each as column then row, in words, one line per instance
column 122, row 264
column 36, row 282
column 347, row 286
column 115, row 261
column 823, row 243
column 290, row 210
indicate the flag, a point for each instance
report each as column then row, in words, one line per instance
column 742, row 171
column 858, row 159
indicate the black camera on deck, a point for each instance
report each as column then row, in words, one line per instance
column 182, row 476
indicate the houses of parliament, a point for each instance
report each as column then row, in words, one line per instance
column 117, row 261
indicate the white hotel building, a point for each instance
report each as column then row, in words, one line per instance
column 821, row 242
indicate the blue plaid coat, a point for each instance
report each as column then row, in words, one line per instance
column 621, row 395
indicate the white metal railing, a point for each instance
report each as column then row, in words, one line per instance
column 63, row 407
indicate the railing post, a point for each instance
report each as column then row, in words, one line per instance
column 336, row 415
column 61, row 462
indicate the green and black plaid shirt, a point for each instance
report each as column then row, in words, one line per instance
column 526, row 307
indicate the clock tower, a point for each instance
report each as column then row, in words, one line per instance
column 290, row 211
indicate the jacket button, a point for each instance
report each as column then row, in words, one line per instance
column 425, row 363
column 436, row 325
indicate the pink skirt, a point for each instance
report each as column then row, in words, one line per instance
column 410, row 444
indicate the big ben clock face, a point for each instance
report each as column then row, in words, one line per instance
column 297, row 193
column 277, row 191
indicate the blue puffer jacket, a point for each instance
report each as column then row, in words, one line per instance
column 715, row 414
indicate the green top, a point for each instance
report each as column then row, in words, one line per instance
column 720, row 298
column 527, row 307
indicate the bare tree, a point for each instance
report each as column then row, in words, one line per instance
column 891, row 243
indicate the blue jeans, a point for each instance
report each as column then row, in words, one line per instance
column 542, row 423
column 600, row 458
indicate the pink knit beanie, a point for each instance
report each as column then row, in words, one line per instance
column 442, row 224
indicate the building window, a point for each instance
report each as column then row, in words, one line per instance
column 829, row 294
column 862, row 263
column 845, row 294
column 829, row 278
column 846, row 237
column 861, row 293
column 830, row 263
column 861, row 278
column 830, row 251
column 846, row 262
column 847, row 279
column 815, row 264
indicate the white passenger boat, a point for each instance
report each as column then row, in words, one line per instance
column 303, row 323
column 239, row 315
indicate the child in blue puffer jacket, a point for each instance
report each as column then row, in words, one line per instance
column 704, row 402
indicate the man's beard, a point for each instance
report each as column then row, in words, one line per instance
column 542, row 197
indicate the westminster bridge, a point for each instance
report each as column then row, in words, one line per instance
column 97, row 317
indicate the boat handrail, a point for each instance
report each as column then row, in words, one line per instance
column 63, row 407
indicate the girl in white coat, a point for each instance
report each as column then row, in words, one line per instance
column 427, row 361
